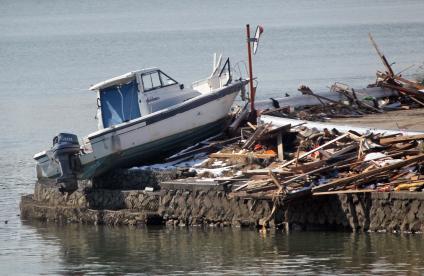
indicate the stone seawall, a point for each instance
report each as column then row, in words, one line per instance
column 189, row 205
column 389, row 211
column 123, row 199
column 192, row 205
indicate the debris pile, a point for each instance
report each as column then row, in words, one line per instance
column 351, row 104
column 404, row 94
column 288, row 162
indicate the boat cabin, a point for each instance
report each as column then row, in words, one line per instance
column 137, row 94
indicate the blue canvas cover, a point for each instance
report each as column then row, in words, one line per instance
column 119, row 103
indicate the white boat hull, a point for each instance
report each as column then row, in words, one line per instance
column 156, row 135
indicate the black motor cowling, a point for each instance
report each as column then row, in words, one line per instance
column 65, row 147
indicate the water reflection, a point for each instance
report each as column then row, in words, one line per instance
column 160, row 250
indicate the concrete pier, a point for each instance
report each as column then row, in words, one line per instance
column 124, row 200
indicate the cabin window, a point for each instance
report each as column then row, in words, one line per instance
column 151, row 81
column 166, row 80
column 119, row 103
column 155, row 80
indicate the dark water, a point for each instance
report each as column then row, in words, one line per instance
column 51, row 51
column 91, row 249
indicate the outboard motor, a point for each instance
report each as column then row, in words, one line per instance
column 65, row 147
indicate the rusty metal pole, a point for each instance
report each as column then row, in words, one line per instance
column 251, row 88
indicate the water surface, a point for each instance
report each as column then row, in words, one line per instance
column 51, row 51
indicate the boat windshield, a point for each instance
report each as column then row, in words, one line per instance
column 156, row 79
column 119, row 103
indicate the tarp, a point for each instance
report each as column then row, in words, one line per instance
column 119, row 103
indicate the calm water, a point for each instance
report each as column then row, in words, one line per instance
column 51, row 51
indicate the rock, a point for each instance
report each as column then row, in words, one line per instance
column 416, row 226
column 411, row 217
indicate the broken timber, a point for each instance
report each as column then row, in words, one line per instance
column 242, row 155
column 400, row 139
column 340, row 183
column 315, row 149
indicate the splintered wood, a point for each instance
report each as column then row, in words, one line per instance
column 350, row 165
column 320, row 162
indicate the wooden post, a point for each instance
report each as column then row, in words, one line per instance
column 280, row 149
column 251, row 88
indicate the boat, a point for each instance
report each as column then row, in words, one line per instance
column 143, row 116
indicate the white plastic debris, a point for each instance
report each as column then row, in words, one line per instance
column 374, row 155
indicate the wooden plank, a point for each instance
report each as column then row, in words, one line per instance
column 400, row 139
column 344, row 192
column 266, row 170
column 280, row 149
column 280, row 129
column 354, row 99
column 345, row 149
column 315, row 149
column 300, row 176
column 242, row 155
column 310, row 166
column 241, row 187
column 380, row 54
column 407, row 186
column 270, row 187
column 363, row 104
column 260, row 130
column 251, row 126
column 340, row 183
column 413, row 94
column 211, row 147
column 324, row 154
column 274, row 179
column 414, row 84
column 241, row 117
